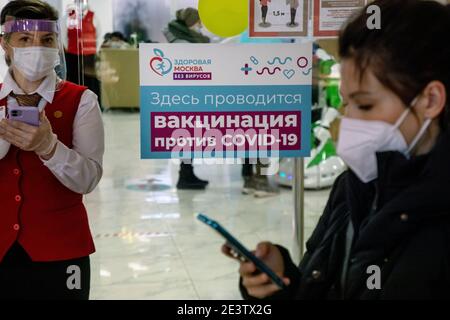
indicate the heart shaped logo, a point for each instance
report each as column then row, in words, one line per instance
column 289, row 73
column 153, row 64
column 159, row 64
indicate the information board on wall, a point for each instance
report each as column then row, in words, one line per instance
column 225, row 101
column 330, row 15
column 283, row 18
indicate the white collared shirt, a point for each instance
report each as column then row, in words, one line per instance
column 80, row 168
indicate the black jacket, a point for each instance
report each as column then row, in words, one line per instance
column 401, row 224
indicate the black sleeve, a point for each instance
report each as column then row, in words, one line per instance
column 293, row 272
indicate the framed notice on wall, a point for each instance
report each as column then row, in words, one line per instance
column 330, row 15
column 227, row 101
column 278, row 18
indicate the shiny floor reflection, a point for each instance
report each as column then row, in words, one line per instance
column 149, row 244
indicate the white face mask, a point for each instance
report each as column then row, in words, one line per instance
column 360, row 140
column 197, row 28
column 35, row 63
column 116, row 44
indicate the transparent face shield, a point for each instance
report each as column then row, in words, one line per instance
column 34, row 50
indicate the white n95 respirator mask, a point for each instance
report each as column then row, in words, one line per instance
column 360, row 140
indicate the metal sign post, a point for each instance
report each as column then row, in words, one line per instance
column 299, row 207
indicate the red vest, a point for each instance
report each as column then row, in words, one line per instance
column 82, row 41
column 45, row 217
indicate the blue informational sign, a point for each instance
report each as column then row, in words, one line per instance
column 225, row 101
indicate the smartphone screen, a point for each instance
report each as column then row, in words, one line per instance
column 244, row 253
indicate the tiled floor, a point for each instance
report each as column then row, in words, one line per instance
column 150, row 246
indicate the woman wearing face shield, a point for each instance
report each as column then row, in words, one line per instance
column 385, row 231
column 45, row 241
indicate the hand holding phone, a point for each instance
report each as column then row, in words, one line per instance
column 259, row 284
column 267, row 281
column 39, row 139
column 4, row 145
column 28, row 115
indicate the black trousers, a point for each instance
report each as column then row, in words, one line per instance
column 264, row 10
column 23, row 279
column 186, row 167
column 293, row 13
column 247, row 168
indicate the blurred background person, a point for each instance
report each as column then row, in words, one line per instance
column 186, row 28
column 115, row 40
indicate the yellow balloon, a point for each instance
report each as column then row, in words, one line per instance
column 225, row 18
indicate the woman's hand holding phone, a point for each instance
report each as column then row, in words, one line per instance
column 40, row 139
column 258, row 284
column 4, row 145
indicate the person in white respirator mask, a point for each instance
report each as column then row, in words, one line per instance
column 51, row 151
column 384, row 232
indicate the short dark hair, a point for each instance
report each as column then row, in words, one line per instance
column 29, row 9
column 107, row 36
column 118, row 34
column 409, row 51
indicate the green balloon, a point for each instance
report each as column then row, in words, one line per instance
column 225, row 18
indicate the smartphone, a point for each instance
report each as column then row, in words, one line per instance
column 243, row 253
column 28, row 115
